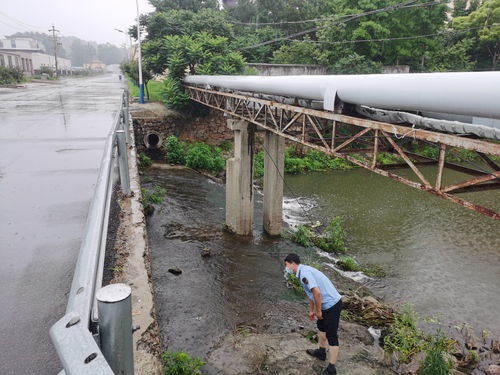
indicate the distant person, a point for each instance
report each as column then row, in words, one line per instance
column 325, row 303
column 120, row 77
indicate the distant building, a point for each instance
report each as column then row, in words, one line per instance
column 95, row 66
column 28, row 55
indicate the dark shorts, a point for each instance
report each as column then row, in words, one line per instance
column 330, row 323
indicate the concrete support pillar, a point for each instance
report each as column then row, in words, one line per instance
column 239, row 179
column 274, row 167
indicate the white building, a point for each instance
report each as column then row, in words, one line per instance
column 31, row 56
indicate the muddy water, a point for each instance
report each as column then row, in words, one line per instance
column 441, row 257
column 239, row 284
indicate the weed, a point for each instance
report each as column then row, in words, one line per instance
column 116, row 269
column 203, row 157
column 156, row 196
column 437, row 360
column 147, row 179
column 404, row 338
column 349, row 264
column 312, row 336
column 346, row 315
column 385, row 158
column 302, row 236
column 226, row 146
column 180, row 363
column 473, row 357
column 144, row 161
column 175, row 151
column 295, row 284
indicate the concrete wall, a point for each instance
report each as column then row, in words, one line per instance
column 287, row 69
column 42, row 59
column 211, row 129
column 395, row 69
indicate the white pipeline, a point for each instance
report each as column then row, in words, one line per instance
column 471, row 94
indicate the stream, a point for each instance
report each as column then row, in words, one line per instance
column 442, row 258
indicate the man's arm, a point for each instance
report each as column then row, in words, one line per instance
column 317, row 302
column 311, row 310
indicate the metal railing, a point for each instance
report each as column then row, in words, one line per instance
column 80, row 337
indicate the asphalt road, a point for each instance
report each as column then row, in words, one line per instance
column 51, row 142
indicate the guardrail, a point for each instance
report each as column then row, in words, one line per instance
column 95, row 334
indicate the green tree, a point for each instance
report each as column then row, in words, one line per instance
column 192, row 5
column 77, row 53
column 297, row 52
column 487, row 21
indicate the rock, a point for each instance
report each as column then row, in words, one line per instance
column 206, row 252
column 495, row 346
column 149, row 210
column 412, row 367
column 493, row 370
column 176, row 271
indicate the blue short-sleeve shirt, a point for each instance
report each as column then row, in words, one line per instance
column 311, row 278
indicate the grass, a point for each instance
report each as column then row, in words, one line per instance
column 155, row 89
column 404, row 338
column 180, row 363
column 144, row 161
column 156, row 196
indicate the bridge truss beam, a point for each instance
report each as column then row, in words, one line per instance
column 321, row 130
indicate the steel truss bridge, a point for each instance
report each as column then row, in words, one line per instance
column 342, row 135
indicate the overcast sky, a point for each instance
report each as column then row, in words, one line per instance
column 92, row 20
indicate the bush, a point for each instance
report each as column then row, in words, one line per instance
column 10, row 75
column 302, row 236
column 437, row 360
column 175, row 151
column 144, row 161
column 181, row 363
column 294, row 282
column 349, row 264
column 173, row 94
column 333, row 239
column 156, row 196
column 404, row 338
column 204, row 157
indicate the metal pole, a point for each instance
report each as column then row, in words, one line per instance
column 123, row 162
column 114, row 304
column 141, row 83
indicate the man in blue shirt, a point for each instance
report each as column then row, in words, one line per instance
column 325, row 303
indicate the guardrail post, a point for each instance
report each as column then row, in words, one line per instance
column 126, row 114
column 123, row 162
column 114, row 304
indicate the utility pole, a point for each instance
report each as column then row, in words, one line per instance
column 141, row 83
column 54, row 37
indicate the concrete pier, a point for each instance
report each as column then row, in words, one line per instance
column 274, row 170
column 239, row 179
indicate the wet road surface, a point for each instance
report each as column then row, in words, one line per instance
column 51, row 142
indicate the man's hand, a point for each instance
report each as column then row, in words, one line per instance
column 311, row 315
column 319, row 314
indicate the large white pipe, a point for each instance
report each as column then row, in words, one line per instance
column 472, row 94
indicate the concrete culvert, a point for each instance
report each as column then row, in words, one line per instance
column 152, row 140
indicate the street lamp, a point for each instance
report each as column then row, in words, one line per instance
column 141, row 83
column 130, row 42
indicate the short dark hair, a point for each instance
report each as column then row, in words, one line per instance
column 292, row 258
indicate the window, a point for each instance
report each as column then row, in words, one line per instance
column 13, row 43
column 1, row 43
column 2, row 61
column 10, row 61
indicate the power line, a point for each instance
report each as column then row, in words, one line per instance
column 441, row 33
column 406, row 4
column 22, row 24
column 303, row 21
